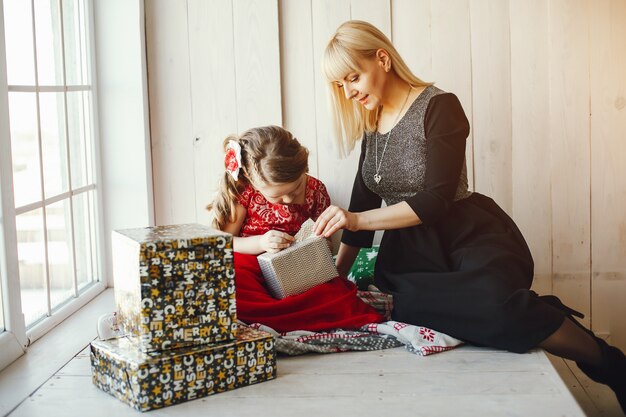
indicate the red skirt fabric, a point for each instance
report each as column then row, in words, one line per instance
column 331, row 305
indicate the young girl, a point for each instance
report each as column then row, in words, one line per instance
column 265, row 196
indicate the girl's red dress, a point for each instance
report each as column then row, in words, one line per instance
column 331, row 305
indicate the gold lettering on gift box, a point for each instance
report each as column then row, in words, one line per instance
column 252, row 363
column 168, row 396
column 230, row 381
column 200, row 374
column 142, row 373
column 190, row 377
column 179, row 374
column 157, row 320
column 241, row 359
column 210, row 385
column 178, row 386
column 223, row 319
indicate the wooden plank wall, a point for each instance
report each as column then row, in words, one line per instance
column 542, row 82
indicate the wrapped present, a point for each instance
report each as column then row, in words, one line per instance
column 306, row 263
column 174, row 285
column 362, row 270
column 152, row 380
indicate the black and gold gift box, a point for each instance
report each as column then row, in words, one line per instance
column 174, row 286
column 152, row 380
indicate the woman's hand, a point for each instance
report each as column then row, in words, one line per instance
column 335, row 218
column 275, row 241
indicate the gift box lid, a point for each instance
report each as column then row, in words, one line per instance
column 124, row 349
column 171, row 232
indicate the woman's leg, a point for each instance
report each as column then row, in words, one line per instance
column 597, row 359
column 572, row 342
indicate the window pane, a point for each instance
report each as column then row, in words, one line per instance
column 60, row 266
column 31, row 256
column 48, row 39
column 80, row 137
column 24, row 148
column 1, row 308
column 18, row 37
column 76, row 66
column 54, row 149
column 86, row 239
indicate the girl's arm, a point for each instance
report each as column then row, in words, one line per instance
column 272, row 241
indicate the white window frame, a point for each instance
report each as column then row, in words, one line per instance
column 16, row 338
column 123, row 157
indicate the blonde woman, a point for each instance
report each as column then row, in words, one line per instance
column 452, row 259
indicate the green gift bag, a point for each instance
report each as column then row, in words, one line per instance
column 362, row 270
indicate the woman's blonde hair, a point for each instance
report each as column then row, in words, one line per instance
column 269, row 154
column 353, row 41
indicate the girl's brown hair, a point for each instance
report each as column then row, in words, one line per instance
column 269, row 154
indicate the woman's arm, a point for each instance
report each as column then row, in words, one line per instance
column 396, row 216
column 272, row 241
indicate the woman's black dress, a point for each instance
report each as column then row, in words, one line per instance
column 466, row 270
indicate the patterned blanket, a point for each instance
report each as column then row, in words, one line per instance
column 375, row 336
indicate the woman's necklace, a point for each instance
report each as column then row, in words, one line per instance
column 377, row 176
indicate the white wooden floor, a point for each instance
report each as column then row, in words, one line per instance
column 467, row 381
column 464, row 382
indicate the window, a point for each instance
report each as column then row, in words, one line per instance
column 51, row 108
column 1, row 307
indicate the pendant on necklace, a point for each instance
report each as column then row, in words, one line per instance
column 377, row 178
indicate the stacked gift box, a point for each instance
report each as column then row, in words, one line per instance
column 175, row 297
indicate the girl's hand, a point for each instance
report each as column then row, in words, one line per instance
column 275, row 241
column 335, row 218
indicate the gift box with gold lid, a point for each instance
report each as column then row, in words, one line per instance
column 153, row 380
column 174, row 285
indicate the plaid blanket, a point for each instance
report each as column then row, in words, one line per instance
column 374, row 336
